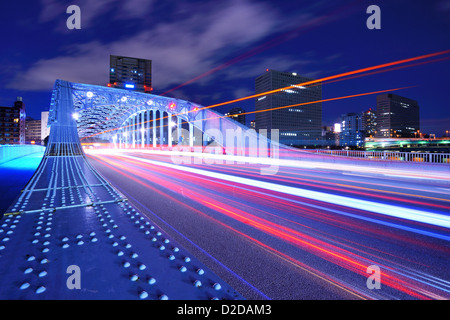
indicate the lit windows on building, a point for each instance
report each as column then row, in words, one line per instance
column 130, row 73
column 396, row 116
column 352, row 130
column 237, row 114
column 282, row 114
column 33, row 131
column 12, row 123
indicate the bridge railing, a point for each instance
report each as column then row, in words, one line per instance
column 9, row 152
column 390, row 155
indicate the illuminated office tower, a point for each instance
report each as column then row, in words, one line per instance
column 352, row 130
column 292, row 111
column 130, row 73
column 397, row 117
column 45, row 129
column 12, row 123
column 32, row 131
column 237, row 114
column 370, row 123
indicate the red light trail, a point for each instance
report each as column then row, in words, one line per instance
column 288, row 220
column 339, row 77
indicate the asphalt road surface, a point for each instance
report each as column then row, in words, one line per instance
column 305, row 232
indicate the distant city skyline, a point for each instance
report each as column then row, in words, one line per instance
column 131, row 73
column 196, row 49
column 12, row 123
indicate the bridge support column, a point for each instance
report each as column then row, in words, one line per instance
column 191, row 136
column 178, row 130
column 133, row 132
column 137, row 130
column 169, row 130
column 161, row 129
column 129, row 137
column 128, row 134
column 142, row 129
column 148, row 128
column 154, row 127
column 121, row 138
column 122, row 131
column 125, row 133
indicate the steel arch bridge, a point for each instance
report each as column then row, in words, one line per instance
column 129, row 119
column 68, row 217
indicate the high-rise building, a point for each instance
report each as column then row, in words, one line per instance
column 130, row 73
column 295, row 113
column 12, row 123
column 369, row 122
column 32, row 131
column 45, row 130
column 330, row 136
column 237, row 114
column 397, row 117
column 352, row 130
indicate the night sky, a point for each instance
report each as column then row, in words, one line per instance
column 241, row 38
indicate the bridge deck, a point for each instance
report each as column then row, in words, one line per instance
column 119, row 251
column 68, row 214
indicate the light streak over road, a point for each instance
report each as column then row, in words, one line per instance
column 312, row 223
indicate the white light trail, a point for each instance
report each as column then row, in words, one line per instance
column 437, row 219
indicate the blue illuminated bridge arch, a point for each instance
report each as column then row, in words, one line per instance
column 130, row 119
column 69, row 218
